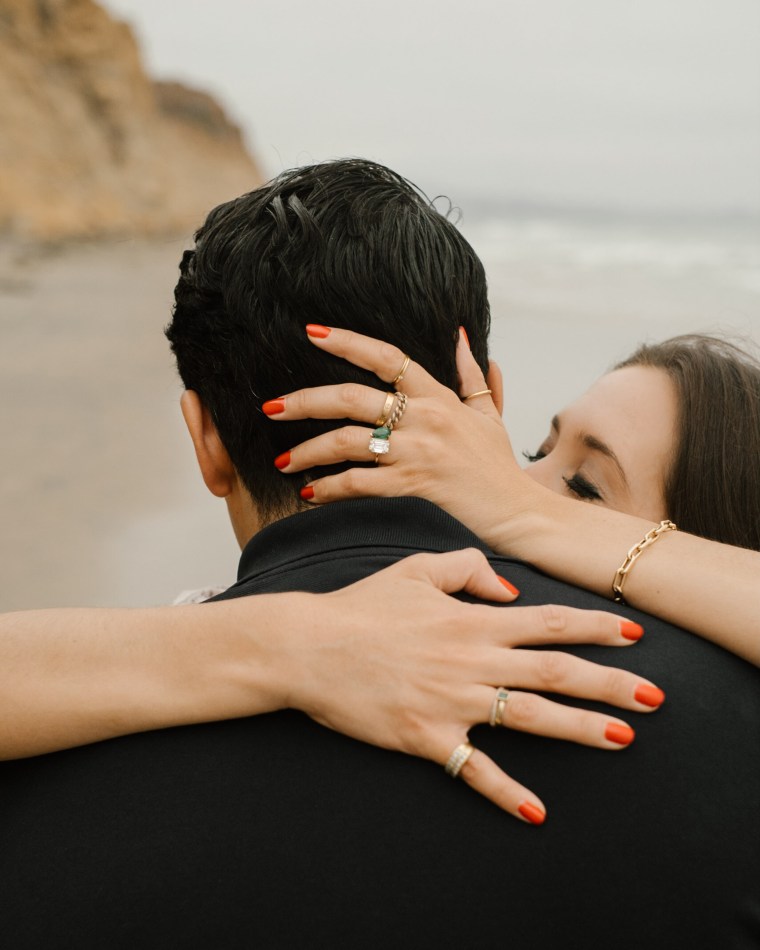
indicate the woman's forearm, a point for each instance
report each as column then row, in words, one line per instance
column 708, row 588
column 69, row 677
column 74, row 676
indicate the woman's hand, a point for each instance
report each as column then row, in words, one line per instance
column 418, row 684
column 456, row 454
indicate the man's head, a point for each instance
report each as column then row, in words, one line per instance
column 347, row 244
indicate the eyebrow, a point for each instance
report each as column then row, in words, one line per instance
column 596, row 445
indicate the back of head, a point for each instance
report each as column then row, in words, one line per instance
column 713, row 489
column 347, row 244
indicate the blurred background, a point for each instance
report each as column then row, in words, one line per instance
column 604, row 157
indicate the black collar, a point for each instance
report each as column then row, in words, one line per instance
column 404, row 523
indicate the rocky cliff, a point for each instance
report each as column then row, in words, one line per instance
column 89, row 145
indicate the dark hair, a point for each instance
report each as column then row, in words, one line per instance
column 713, row 488
column 347, row 244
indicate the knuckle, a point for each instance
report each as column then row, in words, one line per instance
column 343, row 439
column 554, row 618
column 389, row 355
column 296, row 402
column 522, row 709
column 615, row 682
column 607, row 625
column 472, row 557
column 349, row 482
column 553, row 668
column 437, row 416
column 416, row 483
column 586, row 723
column 351, row 395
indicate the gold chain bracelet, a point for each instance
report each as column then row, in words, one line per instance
column 630, row 559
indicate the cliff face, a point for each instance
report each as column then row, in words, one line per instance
column 89, row 145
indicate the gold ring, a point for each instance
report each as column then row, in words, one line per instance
column 382, row 419
column 497, row 707
column 398, row 410
column 480, row 392
column 458, row 759
column 404, row 367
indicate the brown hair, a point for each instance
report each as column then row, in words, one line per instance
column 713, row 488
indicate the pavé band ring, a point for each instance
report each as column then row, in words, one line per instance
column 458, row 759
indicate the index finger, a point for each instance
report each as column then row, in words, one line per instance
column 386, row 361
column 464, row 570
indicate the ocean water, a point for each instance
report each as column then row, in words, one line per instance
column 573, row 295
column 100, row 496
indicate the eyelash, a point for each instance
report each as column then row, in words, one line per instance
column 581, row 487
column 577, row 484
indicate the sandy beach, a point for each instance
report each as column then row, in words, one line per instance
column 101, row 500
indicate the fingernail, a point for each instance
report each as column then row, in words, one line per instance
column 317, row 330
column 273, row 407
column 466, row 338
column 510, row 587
column 649, row 695
column 631, row 630
column 307, row 493
column 623, row 735
column 532, row 813
column 282, row 461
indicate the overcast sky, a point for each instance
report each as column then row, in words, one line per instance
column 652, row 104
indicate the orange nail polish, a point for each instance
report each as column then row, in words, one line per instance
column 466, row 338
column 273, row 407
column 649, row 695
column 631, row 630
column 282, row 461
column 307, row 493
column 623, row 735
column 510, row 587
column 532, row 813
column 317, row 330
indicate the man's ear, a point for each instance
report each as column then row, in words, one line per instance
column 495, row 382
column 213, row 460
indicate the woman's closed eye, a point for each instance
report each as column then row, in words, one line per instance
column 577, row 484
column 582, row 488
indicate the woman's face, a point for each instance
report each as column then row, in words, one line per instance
column 614, row 446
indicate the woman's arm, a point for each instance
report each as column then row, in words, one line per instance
column 69, row 677
column 708, row 588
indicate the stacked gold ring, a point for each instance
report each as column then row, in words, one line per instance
column 393, row 409
column 497, row 707
column 404, row 367
column 398, row 410
column 385, row 415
